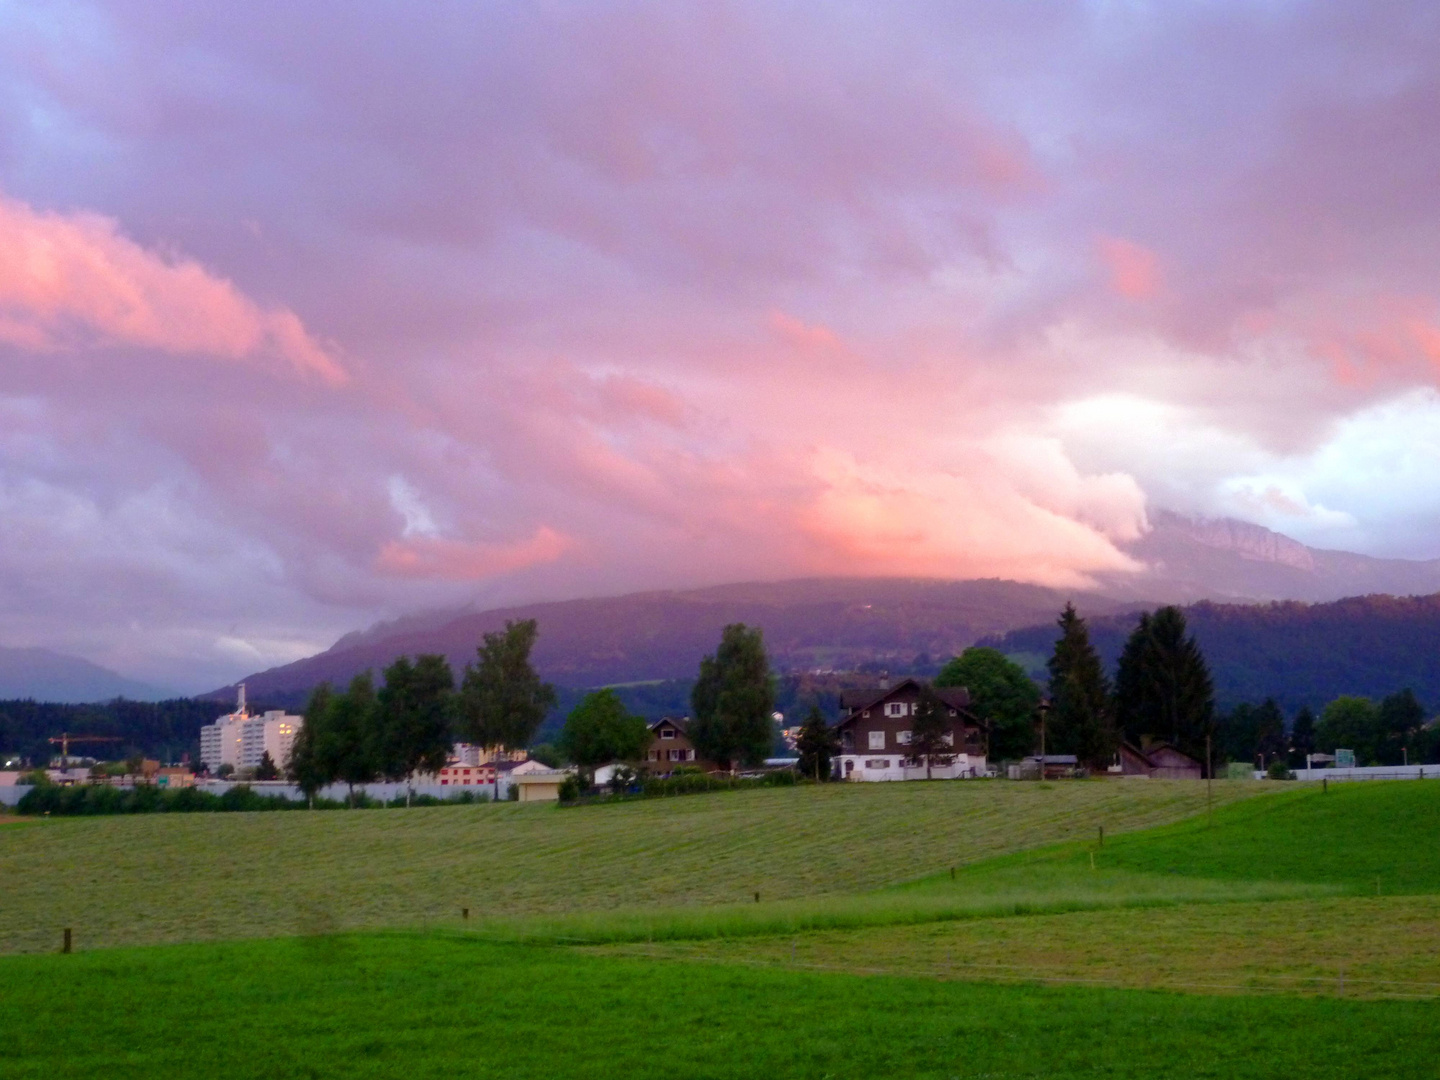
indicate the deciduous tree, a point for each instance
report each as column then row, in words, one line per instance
column 600, row 729
column 353, row 734
column 307, row 768
column 1350, row 723
column 415, row 707
column 1002, row 697
column 733, row 699
column 502, row 701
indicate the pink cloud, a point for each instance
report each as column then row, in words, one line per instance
column 455, row 560
column 803, row 335
column 75, row 281
column 1134, row 269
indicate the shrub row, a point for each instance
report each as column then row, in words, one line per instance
column 89, row 799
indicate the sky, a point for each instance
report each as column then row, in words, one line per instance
column 314, row 313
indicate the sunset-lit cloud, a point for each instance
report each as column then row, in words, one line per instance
column 312, row 315
column 74, row 281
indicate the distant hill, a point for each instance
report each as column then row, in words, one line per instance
column 813, row 623
column 1300, row 654
column 51, row 676
column 823, row 623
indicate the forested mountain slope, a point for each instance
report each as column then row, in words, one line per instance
column 1300, row 654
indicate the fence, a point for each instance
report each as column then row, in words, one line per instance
column 1368, row 772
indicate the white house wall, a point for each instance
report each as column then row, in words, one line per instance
column 854, row 767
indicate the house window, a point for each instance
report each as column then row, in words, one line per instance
column 903, row 738
column 674, row 755
column 952, row 712
column 689, row 755
column 877, row 740
column 667, row 733
column 895, row 708
column 877, row 763
column 654, row 755
column 865, row 713
column 949, row 740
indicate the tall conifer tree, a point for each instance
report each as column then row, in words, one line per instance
column 1080, row 721
column 817, row 745
column 1163, row 686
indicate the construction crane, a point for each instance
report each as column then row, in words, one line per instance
column 64, row 739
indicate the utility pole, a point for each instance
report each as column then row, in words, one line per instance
column 1044, row 709
column 1209, row 781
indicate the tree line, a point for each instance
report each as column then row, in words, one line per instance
column 731, row 707
column 1163, row 690
column 160, row 729
column 407, row 726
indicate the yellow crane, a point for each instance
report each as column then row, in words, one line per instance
column 64, row 739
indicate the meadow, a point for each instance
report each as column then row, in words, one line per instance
column 153, row 878
column 980, row 930
column 439, row 1005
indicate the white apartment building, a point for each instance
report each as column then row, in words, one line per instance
column 242, row 740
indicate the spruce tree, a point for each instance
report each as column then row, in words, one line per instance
column 1270, row 741
column 733, row 699
column 928, row 733
column 817, row 745
column 1080, row 721
column 1163, row 685
column 1401, row 718
column 1302, row 737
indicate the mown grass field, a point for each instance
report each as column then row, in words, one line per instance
column 1250, row 944
column 388, row 1005
column 192, row 877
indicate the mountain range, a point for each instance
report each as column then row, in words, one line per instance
column 823, row 623
column 51, row 676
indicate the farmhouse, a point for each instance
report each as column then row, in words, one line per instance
column 875, row 727
column 1160, row 760
column 670, row 746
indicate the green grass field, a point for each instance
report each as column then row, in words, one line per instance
column 440, row 1006
column 1250, row 944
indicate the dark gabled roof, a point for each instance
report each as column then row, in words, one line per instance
column 679, row 723
column 957, row 697
column 1147, row 755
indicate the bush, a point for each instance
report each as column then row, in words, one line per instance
column 1278, row 770
column 570, row 788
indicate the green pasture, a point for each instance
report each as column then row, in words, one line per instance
column 151, row 878
column 387, row 1005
